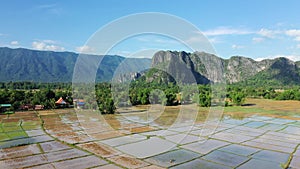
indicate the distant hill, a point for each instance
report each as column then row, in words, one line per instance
column 208, row 68
column 281, row 72
column 48, row 66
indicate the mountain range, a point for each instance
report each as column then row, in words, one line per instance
column 48, row 66
column 237, row 69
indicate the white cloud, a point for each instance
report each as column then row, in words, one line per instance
column 46, row 45
column 38, row 45
column 54, row 48
column 263, row 33
column 237, row 47
column 297, row 38
column 226, row 31
column 258, row 39
column 14, row 42
column 294, row 33
column 50, row 41
column 50, row 8
column 291, row 57
column 298, row 46
column 268, row 33
column 196, row 38
column 85, row 49
column 156, row 39
column 46, row 6
column 199, row 38
column 214, row 40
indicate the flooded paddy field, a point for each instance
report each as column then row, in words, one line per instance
column 262, row 134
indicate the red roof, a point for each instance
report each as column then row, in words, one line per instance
column 60, row 101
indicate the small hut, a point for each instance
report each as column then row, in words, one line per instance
column 61, row 103
column 4, row 109
column 38, row 107
column 27, row 107
column 79, row 103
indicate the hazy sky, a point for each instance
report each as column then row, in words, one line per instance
column 252, row 28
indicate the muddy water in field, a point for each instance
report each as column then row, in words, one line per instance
column 130, row 137
column 156, row 115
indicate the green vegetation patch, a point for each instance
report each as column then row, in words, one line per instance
column 30, row 123
column 8, row 112
column 10, row 124
column 31, row 127
column 16, row 135
column 3, row 137
column 12, row 128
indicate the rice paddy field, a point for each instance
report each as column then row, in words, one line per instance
column 260, row 134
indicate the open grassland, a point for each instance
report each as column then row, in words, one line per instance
column 289, row 109
column 284, row 109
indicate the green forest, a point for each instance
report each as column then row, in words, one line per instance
column 138, row 92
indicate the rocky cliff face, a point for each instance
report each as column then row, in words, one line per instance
column 210, row 68
column 240, row 68
column 209, row 65
column 180, row 66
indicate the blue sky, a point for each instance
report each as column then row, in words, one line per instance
column 252, row 28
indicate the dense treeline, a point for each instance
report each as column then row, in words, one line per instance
column 45, row 97
column 292, row 93
column 32, row 85
column 169, row 94
column 109, row 96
